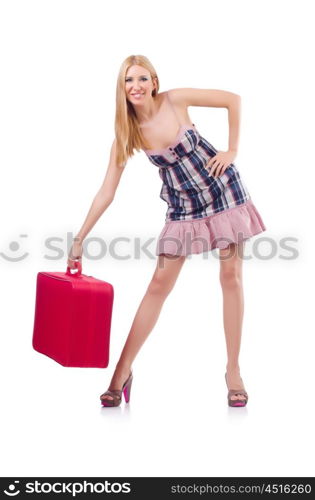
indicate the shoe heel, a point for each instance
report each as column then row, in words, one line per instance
column 127, row 390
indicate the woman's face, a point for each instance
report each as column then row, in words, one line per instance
column 138, row 85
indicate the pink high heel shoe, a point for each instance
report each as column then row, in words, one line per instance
column 235, row 392
column 116, row 393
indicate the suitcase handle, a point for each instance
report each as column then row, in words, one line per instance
column 78, row 265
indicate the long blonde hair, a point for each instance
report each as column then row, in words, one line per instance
column 127, row 130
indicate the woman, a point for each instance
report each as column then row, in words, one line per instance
column 208, row 206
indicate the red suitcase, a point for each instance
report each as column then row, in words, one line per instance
column 73, row 318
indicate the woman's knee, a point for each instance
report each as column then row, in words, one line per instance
column 160, row 286
column 230, row 277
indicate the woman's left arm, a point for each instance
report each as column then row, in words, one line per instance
column 223, row 159
column 220, row 99
column 234, row 110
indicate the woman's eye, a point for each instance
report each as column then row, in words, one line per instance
column 143, row 78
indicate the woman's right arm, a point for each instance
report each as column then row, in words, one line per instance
column 101, row 201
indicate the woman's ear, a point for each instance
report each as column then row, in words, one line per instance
column 154, row 91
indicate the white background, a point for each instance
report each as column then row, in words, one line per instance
column 59, row 64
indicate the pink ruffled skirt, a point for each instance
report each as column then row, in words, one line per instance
column 233, row 225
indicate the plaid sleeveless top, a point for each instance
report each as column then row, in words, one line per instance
column 187, row 187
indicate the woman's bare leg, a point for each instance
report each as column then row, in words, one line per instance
column 162, row 282
column 233, row 310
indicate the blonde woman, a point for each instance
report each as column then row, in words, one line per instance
column 208, row 206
